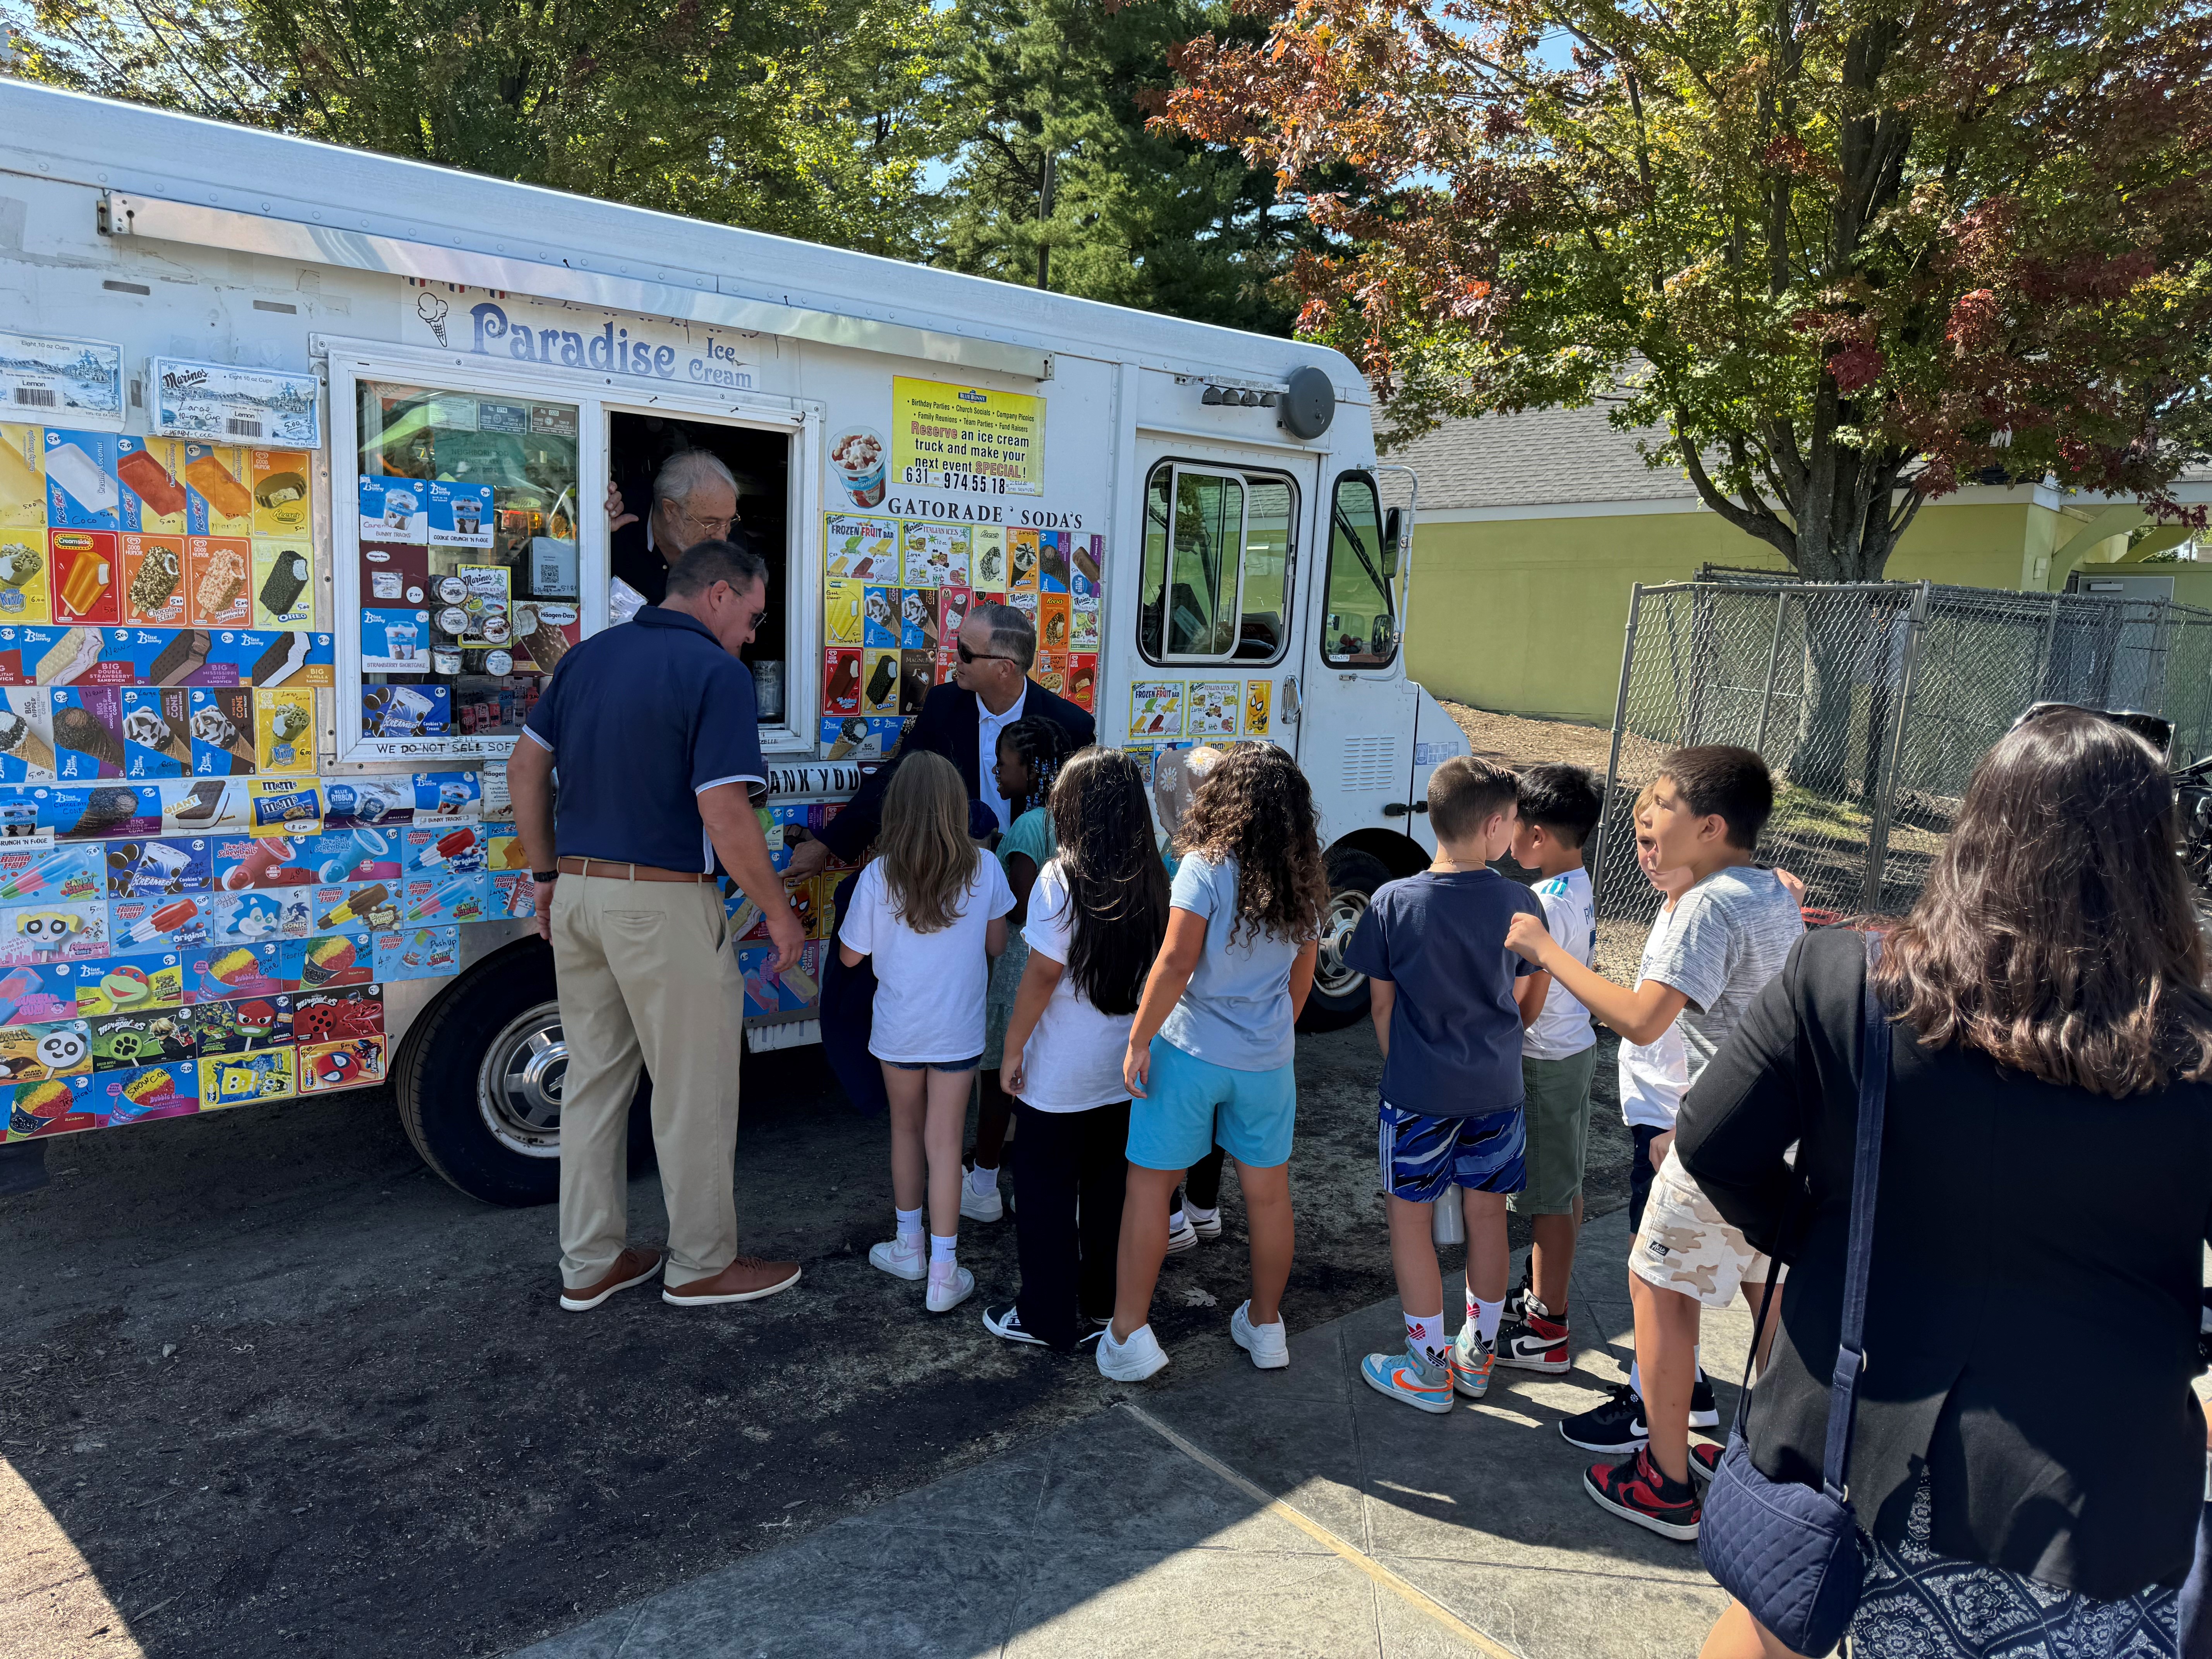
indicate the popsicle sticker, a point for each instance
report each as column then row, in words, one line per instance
column 215, row 472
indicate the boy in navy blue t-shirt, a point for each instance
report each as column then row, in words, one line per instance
column 1448, row 999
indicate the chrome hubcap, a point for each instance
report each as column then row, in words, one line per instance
column 519, row 1083
column 1333, row 975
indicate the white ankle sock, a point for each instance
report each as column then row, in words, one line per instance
column 909, row 1226
column 1425, row 1337
column 980, row 1180
column 942, row 1250
column 1195, row 1213
column 1175, row 1222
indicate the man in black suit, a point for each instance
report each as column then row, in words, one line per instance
column 990, row 690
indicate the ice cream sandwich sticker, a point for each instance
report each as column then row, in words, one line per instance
column 22, row 478
column 1259, row 705
column 1212, row 709
column 155, row 498
column 220, row 576
column 58, row 1106
column 284, row 584
column 27, row 737
column 394, row 641
column 284, row 731
column 457, row 515
column 283, row 499
column 395, row 510
column 216, row 474
column 1155, row 709
column 859, row 549
column 85, row 577
column 223, row 401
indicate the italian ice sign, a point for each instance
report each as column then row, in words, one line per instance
column 50, row 376
column 225, row 404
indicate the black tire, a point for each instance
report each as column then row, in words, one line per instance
column 504, row 1151
column 1340, row 995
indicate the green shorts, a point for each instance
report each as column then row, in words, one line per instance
column 1558, row 1113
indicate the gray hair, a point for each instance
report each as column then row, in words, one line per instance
column 685, row 471
column 1010, row 631
column 701, row 567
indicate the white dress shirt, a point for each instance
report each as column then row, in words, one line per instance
column 987, row 728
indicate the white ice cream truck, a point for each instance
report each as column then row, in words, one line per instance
column 303, row 460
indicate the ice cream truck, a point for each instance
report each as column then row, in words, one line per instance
column 305, row 456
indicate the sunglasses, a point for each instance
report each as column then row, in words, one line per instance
column 966, row 655
column 2155, row 729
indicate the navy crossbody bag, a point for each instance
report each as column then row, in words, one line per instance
column 1791, row 1553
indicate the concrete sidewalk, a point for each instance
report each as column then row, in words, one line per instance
column 1283, row 1512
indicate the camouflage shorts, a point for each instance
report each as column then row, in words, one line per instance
column 1684, row 1245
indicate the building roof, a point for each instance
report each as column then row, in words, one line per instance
column 1542, row 458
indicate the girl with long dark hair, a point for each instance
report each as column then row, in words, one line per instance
column 2044, row 1200
column 1097, row 913
column 1031, row 752
column 1210, row 1054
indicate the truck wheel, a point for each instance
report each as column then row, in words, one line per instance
column 1340, row 991
column 479, row 1077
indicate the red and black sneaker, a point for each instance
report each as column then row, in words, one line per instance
column 1704, row 1462
column 1636, row 1491
column 1533, row 1340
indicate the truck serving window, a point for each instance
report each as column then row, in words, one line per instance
column 1217, row 548
column 1360, row 628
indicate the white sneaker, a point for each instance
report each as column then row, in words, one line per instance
column 986, row 1205
column 1182, row 1236
column 949, row 1285
column 1268, row 1344
column 1208, row 1227
column 1132, row 1361
column 900, row 1259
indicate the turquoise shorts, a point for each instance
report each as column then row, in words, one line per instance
column 1191, row 1104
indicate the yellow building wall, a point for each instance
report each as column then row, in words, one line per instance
column 1527, row 615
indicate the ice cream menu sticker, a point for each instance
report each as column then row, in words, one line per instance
column 395, row 510
column 227, row 405
column 964, row 438
column 45, row 376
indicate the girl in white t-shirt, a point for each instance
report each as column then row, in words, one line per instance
column 930, row 909
column 1096, row 916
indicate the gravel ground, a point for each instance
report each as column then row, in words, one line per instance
column 286, row 1391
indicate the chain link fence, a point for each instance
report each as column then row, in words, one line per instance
column 1872, row 703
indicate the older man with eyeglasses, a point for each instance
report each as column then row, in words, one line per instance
column 989, row 691
column 695, row 500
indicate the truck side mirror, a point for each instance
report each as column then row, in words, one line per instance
column 1392, row 520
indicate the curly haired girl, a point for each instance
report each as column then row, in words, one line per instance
column 1209, row 1055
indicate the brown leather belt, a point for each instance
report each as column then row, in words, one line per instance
column 608, row 870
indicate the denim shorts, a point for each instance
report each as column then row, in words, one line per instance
column 1424, row 1158
column 1191, row 1103
column 935, row 1065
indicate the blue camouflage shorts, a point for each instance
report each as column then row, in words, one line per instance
column 1422, row 1156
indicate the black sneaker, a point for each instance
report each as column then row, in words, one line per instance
column 1617, row 1425
column 1006, row 1322
column 1705, row 1414
column 1533, row 1341
column 1516, row 1299
column 1635, row 1491
column 1704, row 1464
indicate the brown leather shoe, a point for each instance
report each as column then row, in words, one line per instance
column 746, row 1279
column 633, row 1267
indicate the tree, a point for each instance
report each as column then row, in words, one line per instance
column 1058, row 181
column 1849, row 254
column 807, row 118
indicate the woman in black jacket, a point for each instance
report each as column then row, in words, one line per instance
column 2028, row 1458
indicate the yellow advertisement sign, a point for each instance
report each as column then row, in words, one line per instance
column 965, row 439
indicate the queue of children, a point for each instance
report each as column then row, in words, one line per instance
column 1148, row 1028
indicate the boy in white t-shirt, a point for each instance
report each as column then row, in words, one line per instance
column 1560, row 807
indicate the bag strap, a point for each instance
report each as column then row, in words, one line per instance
column 1850, row 1351
column 1866, row 1172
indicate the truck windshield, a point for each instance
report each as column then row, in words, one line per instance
column 1217, row 565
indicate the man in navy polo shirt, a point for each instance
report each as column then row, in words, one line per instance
column 650, row 725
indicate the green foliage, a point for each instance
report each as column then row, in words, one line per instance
column 808, row 118
column 1138, row 215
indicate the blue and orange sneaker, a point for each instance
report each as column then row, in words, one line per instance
column 1470, row 1359
column 1636, row 1491
column 1405, row 1376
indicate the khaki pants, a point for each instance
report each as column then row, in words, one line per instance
column 647, row 977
